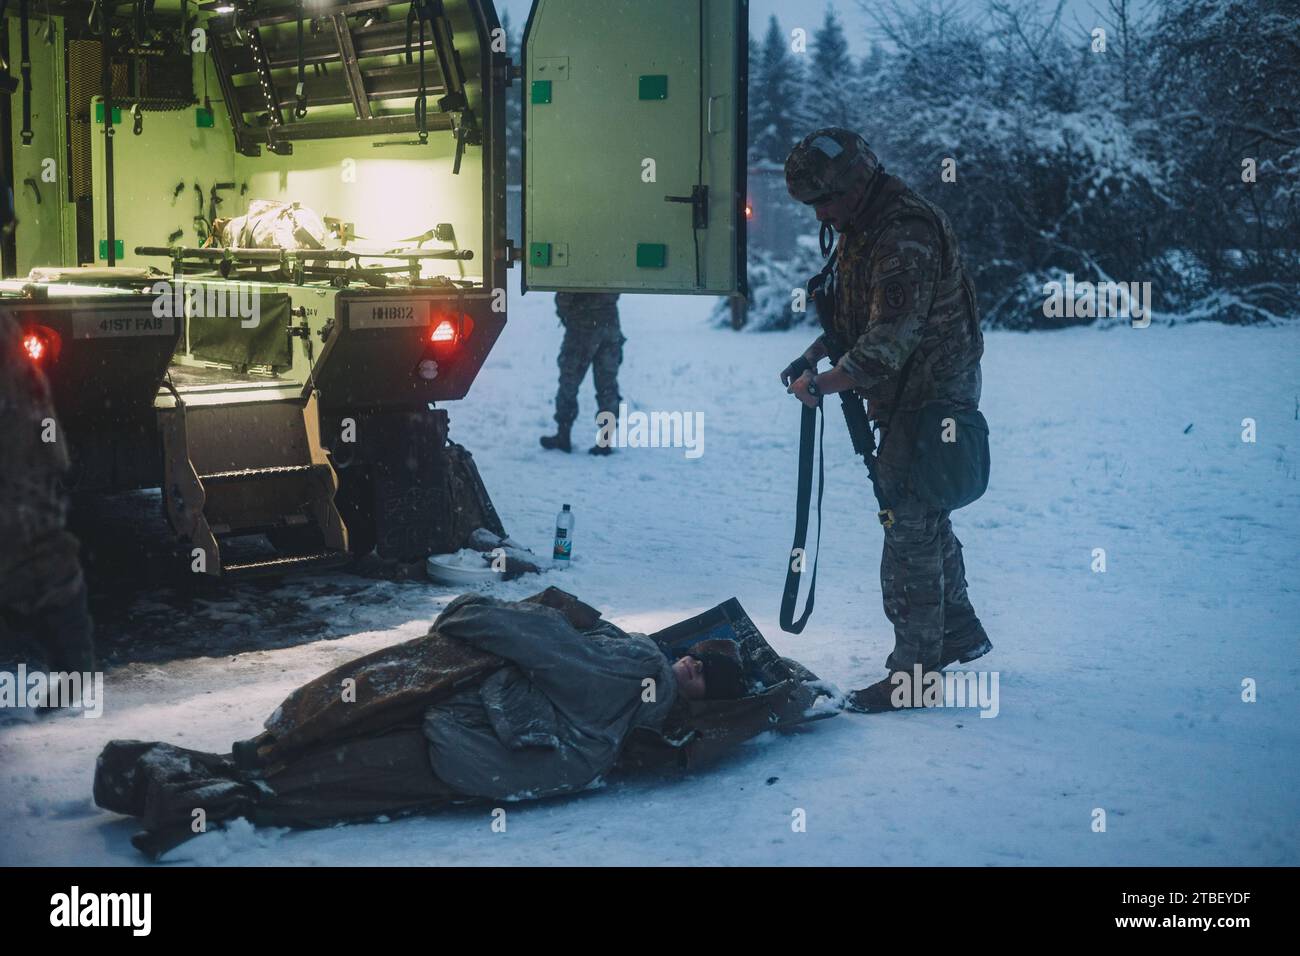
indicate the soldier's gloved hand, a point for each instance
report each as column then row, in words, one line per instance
column 794, row 370
column 800, row 389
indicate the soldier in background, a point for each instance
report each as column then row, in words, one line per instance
column 592, row 337
column 44, row 622
column 900, row 289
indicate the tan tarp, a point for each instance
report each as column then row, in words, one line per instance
column 390, row 686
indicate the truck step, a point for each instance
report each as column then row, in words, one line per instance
column 288, row 564
column 224, row 532
column 253, row 474
column 232, row 471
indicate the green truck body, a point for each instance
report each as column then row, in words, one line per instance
column 271, row 391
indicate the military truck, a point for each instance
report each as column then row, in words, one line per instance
column 261, row 244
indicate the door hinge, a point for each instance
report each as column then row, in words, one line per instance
column 510, row 253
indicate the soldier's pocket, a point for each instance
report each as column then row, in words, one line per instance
column 922, row 592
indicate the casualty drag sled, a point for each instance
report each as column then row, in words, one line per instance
column 163, row 785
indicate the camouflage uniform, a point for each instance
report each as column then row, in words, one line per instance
column 592, row 337
column 43, row 617
column 901, row 289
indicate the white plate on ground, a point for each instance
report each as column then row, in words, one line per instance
column 466, row 566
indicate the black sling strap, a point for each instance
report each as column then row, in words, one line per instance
column 809, row 434
column 420, row 13
column 26, row 68
column 300, row 89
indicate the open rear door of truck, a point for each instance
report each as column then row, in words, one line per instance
column 634, row 146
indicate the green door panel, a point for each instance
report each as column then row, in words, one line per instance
column 46, row 230
column 634, row 145
column 172, row 148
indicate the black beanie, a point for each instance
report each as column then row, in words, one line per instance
column 723, row 678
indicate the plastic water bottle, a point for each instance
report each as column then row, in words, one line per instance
column 563, row 538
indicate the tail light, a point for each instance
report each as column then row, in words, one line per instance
column 41, row 344
column 448, row 333
column 749, row 210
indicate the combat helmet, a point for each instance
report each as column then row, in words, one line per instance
column 825, row 162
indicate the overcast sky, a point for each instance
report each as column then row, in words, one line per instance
column 809, row 13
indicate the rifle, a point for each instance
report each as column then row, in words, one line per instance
column 821, row 289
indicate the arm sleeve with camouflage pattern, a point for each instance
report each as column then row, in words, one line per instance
column 902, row 274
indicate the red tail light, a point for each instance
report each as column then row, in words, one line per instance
column 749, row 210
column 41, row 344
column 448, row 333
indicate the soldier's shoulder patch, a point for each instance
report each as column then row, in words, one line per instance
column 895, row 294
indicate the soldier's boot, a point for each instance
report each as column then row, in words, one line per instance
column 557, row 442
column 120, row 783
column 163, row 785
column 962, row 649
column 878, row 698
column 599, row 449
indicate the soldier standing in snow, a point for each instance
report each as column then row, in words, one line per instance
column 592, row 337
column 901, row 292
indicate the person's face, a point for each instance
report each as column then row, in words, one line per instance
column 836, row 209
column 689, row 672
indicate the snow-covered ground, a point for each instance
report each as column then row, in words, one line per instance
column 1119, row 690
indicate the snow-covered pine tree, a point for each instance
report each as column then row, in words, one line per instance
column 774, row 98
column 833, row 95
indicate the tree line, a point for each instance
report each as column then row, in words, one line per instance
column 1151, row 142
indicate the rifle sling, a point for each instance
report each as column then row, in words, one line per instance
column 809, row 434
